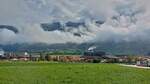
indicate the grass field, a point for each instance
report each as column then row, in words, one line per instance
column 61, row 73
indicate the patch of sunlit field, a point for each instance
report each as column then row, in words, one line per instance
column 70, row 73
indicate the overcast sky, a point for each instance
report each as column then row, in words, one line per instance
column 125, row 20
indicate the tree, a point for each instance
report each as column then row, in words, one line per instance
column 42, row 57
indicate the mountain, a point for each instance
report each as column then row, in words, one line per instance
column 122, row 47
column 131, row 48
column 59, row 26
column 76, row 28
column 11, row 28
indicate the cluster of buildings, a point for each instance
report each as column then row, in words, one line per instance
column 64, row 58
column 91, row 56
column 143, row 61
column 87, row 56
column 22, row 56
column 98, row 56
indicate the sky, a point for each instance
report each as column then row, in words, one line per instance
column 124, row 20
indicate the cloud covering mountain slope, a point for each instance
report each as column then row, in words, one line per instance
column 123, row 20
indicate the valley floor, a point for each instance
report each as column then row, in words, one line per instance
column 70, row 73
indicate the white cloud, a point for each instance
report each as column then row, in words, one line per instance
column 125, row 20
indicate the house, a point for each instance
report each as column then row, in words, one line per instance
column 143, row 61
column 110, row 59
column 92, row 55
column 63, row 58
column 19, row 56
column 24, row 57
column 35, row 57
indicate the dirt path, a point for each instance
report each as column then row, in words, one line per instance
column 134, row 66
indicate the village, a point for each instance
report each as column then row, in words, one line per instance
column 89, row 56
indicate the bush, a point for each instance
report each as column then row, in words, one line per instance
column 96, row 61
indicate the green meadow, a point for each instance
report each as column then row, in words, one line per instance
column 70, row 73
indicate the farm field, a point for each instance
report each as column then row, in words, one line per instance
column 70, row 73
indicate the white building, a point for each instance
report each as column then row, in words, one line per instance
column 2, row 52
